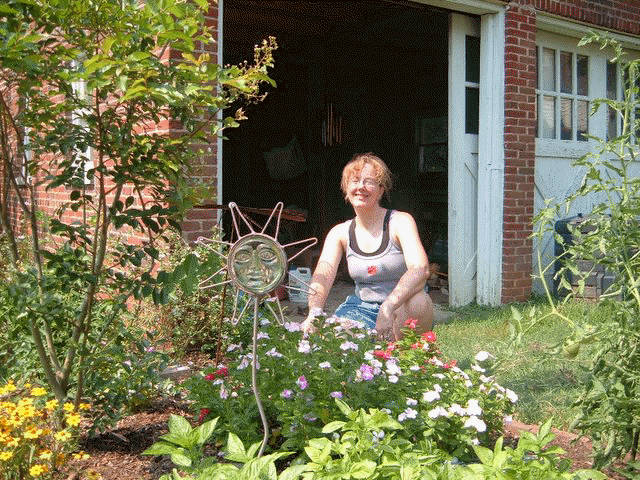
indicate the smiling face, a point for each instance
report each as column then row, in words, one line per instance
column 257, row 264
column 363, row 188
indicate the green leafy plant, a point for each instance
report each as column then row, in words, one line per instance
column 607, row 241
column 532, row 458
column 407, row 379
column 185, row 445
column 87, row 89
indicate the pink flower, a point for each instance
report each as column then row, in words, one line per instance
column 411, row 323
column 386, row 354
column 302, row 382
column 372, row 270
column 286, row 393
column 211, row 377
column 366, row 371
column 429, row 337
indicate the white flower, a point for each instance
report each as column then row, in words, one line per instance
column 392, row 368
column 324, row 365
column 273, row 353
column 368, row 356
column 473, row 407
column 414, row 368
column 468, row 383
column 262, row 335
column 476, row 423
column 265, row 322
column 233, row 346
column 437, row 388
column 304, row 346
column 244, row 363
column 438, row 412
column 482, row 356
column 456, row 409
column 477, row 368
column 348, row 346
column 412, row 401
column 508, row 419
column 430, row 396
column 408, row 413
column 475, row 441
column 292, row 326
column 393, row 378
column 224, row 393
column 513, row 396
column 439, row 375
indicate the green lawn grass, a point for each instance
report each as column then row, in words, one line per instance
column 546, row 382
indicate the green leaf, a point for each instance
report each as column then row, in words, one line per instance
column 179, row 425
column 484, row 454
column 160, row 448
column 235, row 450
column 181, row 459
column 363, row 469
column 333, row 426
column 205, row 430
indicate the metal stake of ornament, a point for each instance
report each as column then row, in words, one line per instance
column 256, row 264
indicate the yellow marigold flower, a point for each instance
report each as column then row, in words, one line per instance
column 12, row 442
column 9, row 387
column 68, row 407
column 93, row 475
column 84, row 406
column 4, row 456
column 62, row 435
column 32, row 432
column 45, row 454
column 37, row 470
column 26, row 411
column 81, row 455
column 52, row 404
column 38, row 392
column 73, row 419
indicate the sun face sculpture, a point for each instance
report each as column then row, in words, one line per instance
column 256, row 263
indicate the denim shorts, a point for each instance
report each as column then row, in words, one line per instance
column 354, row 308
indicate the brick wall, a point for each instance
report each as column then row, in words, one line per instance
column 519, row 142
column 520, row 119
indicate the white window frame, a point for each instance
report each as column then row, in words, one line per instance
column 574, row 148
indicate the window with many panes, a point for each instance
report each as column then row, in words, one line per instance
column 562, row 94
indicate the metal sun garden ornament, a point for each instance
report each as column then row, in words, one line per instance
column 256, row 264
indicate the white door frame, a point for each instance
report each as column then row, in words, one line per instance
column 491, row 160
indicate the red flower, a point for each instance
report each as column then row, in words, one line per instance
column 203, row 414
column 391, row 346
column 429, row 337
column 211, row 377
column 411, row 323
column 416, row 346
column 222, row 371
column 372, row 270
column 386, row 354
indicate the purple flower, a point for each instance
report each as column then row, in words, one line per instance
column 302, row 382
column 366, row 371
column 336, row 394
column 286, row 393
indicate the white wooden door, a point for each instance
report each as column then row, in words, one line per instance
column 464, row 77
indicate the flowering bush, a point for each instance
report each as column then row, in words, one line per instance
column 299, row 377
column 36, row 434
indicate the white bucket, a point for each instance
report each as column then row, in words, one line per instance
column 299, row 280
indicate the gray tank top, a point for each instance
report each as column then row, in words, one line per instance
column 377, row 273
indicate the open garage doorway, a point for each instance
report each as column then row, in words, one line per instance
column 351, row 77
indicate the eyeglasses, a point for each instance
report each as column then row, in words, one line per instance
column 367, row 182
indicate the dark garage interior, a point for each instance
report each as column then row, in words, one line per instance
column 351, row 77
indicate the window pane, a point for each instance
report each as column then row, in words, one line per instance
column 566, row 72
column 566, row 118
column 612, row 92
column 472, row 110
column 472, row 53
column 582, row 74
column 582, row 114
column 548, row 69
column 548, row 117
